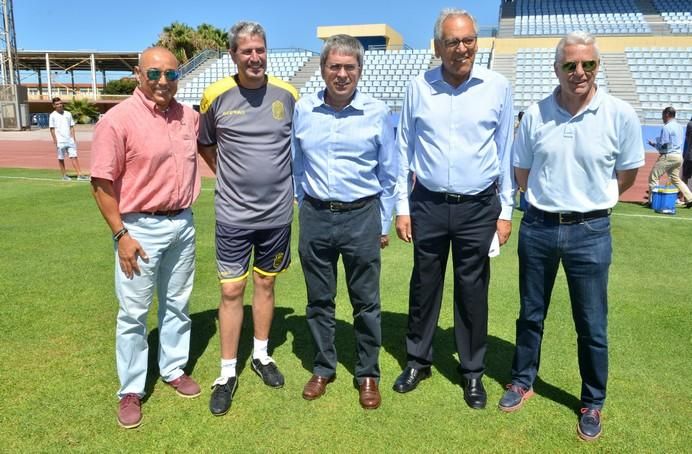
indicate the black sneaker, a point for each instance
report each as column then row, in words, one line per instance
column 222, row 395
column 589, row 426
column 269, row 373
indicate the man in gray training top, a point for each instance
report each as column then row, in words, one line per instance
column 245, row 138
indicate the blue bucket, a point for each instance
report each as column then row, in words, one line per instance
column 663, row 199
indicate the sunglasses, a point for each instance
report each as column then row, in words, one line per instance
column 171, row 75
column 588, row 66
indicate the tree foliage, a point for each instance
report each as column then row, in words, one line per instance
column 185, row 42
column 83, row 111
column 124, row 86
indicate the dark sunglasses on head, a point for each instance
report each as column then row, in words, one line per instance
column 588, row 66
column 171, row 75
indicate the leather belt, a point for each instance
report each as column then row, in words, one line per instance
column 451, row 197
column 570, row 217
column 166, row 213
column 339, row 207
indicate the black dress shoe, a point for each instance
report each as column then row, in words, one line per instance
column 409, row 379
column 474, row 393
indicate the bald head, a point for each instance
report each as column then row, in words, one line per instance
column 157, row 75
column 156, row 52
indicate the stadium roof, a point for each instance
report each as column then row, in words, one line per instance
column 78, row 60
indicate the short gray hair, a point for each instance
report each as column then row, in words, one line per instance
column 451, row 12
column 572, row 38
column 342, row 44
column 245, row 28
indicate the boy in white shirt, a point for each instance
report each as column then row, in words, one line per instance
column 61, row 127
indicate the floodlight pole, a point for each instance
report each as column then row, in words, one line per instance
column 10, row 71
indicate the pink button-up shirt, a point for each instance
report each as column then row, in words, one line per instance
column 149, row 155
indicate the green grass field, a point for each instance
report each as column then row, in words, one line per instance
column 58, row 380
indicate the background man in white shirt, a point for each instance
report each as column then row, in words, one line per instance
column 61, row 126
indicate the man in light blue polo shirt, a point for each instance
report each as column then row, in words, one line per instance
column 669, row 146
column 575, row 152
column 455, row 137
column 345, row 166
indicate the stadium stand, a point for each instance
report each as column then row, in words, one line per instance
column 535, row 78
column 280, row 63
column 676, row 13
column 663, row 77
column 387, row 73
column 646, row 55
column 557, row 17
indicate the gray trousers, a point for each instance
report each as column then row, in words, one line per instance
column 355, row 236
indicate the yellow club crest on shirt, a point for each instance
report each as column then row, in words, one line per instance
column 278, row 110
column 278, row 258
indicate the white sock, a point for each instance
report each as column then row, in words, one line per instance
column 259, row 350
column 228, row 367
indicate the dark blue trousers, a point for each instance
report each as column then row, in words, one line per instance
column 585, row 253
column 355, row 236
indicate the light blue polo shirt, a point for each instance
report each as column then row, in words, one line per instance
column 572, row 159
column 671, row 138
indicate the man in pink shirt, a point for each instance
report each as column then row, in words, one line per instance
column 144, row 179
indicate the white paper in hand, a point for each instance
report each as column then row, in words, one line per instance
column 494, row 246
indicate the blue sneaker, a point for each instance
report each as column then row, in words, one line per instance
column 589, row 426
column 515, row 396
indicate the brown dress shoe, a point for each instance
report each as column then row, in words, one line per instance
column 370, row 397
column 316, row 386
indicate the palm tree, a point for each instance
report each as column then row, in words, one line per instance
column 83, row 111
column 180, row 39
column 210, row 37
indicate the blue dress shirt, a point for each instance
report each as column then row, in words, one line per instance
column 457, row 140
column 345, row 155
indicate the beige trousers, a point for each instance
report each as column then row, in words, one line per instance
column 669, row 164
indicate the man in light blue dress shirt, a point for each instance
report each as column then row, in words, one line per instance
column 345, row 168
column 455, row 188
column 575, row 152
column 669, row 146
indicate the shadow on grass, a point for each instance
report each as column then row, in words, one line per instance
column 303, row 345
column 498, row 358
column 204, row 326
column 203, row 329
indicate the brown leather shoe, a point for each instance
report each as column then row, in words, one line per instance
column 316, row 386
column 370, row 397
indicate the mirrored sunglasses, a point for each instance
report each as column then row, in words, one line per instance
column 171, row 75
column 588, row 66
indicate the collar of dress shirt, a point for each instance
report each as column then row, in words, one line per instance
column 151, row 105
column 434, row 77
column 356, row 101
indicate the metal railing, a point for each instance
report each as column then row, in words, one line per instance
column 196, row 61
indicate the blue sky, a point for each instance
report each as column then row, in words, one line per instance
column 129, row 25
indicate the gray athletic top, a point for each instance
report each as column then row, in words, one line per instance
column 252, row 131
